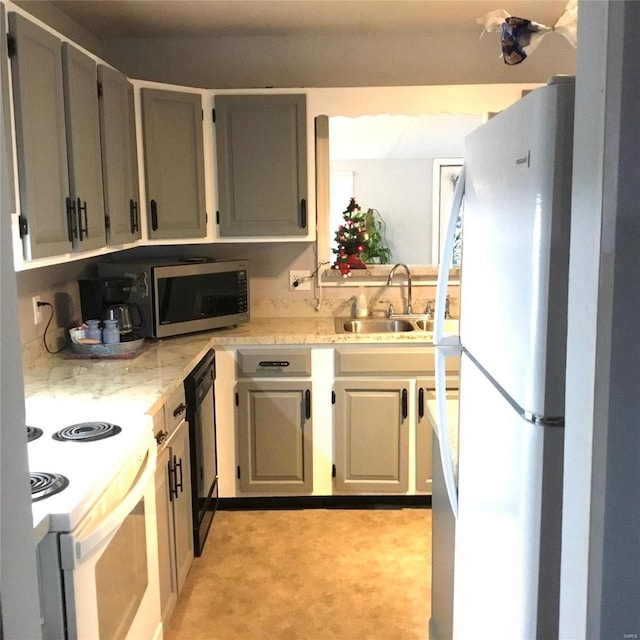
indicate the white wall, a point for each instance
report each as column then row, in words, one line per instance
column 400, row 189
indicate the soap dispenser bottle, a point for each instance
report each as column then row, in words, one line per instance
column 362, row 310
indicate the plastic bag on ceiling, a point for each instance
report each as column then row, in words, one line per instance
column 519, row 34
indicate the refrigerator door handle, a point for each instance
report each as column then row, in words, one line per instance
column 446, row 256
column 446, row 345
column 443, row 426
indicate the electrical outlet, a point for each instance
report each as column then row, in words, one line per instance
column 37, row 311
column 299, row 280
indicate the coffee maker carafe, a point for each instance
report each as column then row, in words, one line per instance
column 106, row 298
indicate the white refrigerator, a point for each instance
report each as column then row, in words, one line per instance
column 505, row 494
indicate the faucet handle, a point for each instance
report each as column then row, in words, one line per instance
column 429, row 308
column 391, row 310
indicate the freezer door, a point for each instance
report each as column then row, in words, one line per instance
column 515, row 255
column 507, row 542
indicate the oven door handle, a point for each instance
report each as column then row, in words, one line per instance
column 109, row 525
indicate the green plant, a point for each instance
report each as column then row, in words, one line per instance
column 375, row 244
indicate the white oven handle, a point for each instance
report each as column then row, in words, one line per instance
column 84, row 548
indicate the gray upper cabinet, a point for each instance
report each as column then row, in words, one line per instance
column 7, row 191
column 262, row 165
column 80, row 77
column 174, row 164
column 119, row 156
column 41, row 147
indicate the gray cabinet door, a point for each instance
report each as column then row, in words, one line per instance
column 7, row 190
column 262, row 165
column 119, row 157
column 371, row 436
column 80, row 82
column 36, row 67
column 174, row 164
column 166, row 548
column 182, row 518
column 275, row 436
column 424, row 437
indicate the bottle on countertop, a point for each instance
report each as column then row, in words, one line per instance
column 111, row 332
column 362, row 309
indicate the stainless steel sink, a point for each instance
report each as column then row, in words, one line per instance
column 372, row 325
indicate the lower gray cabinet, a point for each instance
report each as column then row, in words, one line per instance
column 174, row 519
column 372, row 436
column 275, row 438
column 424, row 436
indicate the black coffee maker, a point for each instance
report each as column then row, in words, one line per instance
column 107, row 298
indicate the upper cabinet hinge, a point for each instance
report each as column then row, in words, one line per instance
column 99, row 89
column 333, row 397
column 238, row 472
column 202, row 112
column 213, row 114
column 217, row 217
column 23, row 226
column 237, row 399
column 12, row 49
column 333, row 470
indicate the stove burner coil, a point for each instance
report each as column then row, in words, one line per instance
column 45, row 484
column 33, row 433
column 87, row 432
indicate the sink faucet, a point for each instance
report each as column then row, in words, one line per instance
column 391, row 274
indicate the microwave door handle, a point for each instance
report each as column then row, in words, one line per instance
column 72, row 554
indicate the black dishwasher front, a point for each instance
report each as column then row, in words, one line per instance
column 199, row 392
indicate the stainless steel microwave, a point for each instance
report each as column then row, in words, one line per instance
column 184, row 296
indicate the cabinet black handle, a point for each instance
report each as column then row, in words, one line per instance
column 274, row 363
column 178, row 464
column 71, row 219
column 307, row 403
column 405, row 405
column 303, row 213
column 132, row 215
column 82, row 209
column 136, row 209
column 181, row 408
column 173, row 485
column 154, row 215
column 161, row 436
column 421, row 402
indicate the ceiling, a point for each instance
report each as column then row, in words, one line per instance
column 205, row 18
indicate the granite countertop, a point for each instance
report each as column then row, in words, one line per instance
column 99, row 389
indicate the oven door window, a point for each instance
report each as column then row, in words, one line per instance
column 188, row 298
column 121, row 576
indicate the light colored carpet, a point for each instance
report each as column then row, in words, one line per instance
column 311, row 574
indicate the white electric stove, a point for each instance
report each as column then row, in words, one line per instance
column 93, row 504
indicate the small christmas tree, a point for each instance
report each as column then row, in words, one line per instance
column 351, row 238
